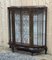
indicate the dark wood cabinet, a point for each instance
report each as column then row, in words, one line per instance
column 27, row 28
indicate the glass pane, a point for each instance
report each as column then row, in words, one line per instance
column 17, row 28
column 44, row 29
column 35, row 29
column 25, row 28
column 44, row 39
column 40, row 29
column 44, row 23
column 43, row 33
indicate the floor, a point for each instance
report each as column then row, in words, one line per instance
column 23, row 56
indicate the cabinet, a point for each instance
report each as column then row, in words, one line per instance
column 27, row 28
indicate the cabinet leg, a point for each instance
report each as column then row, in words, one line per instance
column 12, row 48
column 45, row 51
column 32, row 54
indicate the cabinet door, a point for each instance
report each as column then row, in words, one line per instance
column 39, row 28
column 35, row 29
column 17, row 26
column 25, row 27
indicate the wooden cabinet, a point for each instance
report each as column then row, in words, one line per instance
column 27, row 28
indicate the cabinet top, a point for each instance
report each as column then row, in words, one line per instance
column 35, row 7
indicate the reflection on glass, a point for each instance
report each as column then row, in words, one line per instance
column 17, row 28
column 38, row 25
column 35, row 29
column 25, row 28
column 43, row 33
column 40, row 29
column 44, row 29
column 43, row 39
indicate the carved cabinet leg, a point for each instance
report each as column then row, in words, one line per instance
column 12, row 48
column 9, row 46
column 32, row 53
column 45, row 50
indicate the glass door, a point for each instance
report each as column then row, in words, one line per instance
column 39, row 28
column 17, row 26
column 25, row 27
column 21, row 26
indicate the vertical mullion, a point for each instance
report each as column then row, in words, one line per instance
column 21, row 23
column 45, row 30
column 13, row 27
column 42, row 27
column 45, row 25
column 9, row 27
column 31, row 28
column 37, row 28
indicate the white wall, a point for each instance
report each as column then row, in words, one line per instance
column 4, row 19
